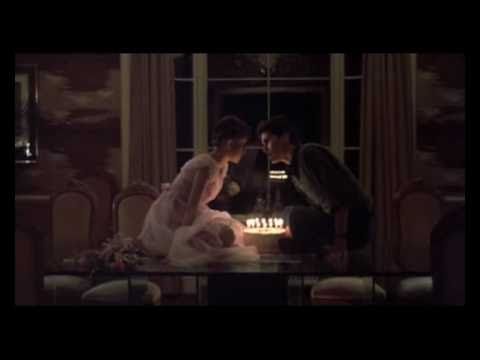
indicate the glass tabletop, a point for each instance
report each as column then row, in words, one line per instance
column 280, row 264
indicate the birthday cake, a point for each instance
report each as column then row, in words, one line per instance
column 263, row 233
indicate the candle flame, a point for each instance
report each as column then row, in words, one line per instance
column 265, row 226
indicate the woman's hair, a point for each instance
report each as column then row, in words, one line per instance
column 228, row 128
column 279, row 125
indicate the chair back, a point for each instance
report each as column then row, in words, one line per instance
column 28, row 265
column 130, row 207
column 72, row 217
column 448, row 259
column 419, row 209
column 104, row 186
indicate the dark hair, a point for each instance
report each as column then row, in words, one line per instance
column 279, row 125
column 228, row 128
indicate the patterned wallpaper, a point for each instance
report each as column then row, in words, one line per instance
column 440, row 118
column 79, row 110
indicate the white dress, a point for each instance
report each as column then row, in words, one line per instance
column 163, row 235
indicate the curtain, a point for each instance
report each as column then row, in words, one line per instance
column 386, row 143
column 152, row 151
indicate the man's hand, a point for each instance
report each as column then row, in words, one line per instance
column 338, row 257
column 288, row 233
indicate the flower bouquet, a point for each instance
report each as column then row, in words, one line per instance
column 117, row 254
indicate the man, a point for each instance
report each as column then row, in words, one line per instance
column 331, row 212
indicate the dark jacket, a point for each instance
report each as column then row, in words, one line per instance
column 325, row 182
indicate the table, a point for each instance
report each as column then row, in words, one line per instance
column 269, row 266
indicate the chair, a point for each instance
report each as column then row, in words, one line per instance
column 448, row 259
column 28, row 265
column 351, row 290
column 130, row 207
column 115, row 292
column 103, row 184
column 419, row 209
column 72, row 220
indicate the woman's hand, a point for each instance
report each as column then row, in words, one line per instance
column 232, row 188
column 198, row 244
column 204, row 241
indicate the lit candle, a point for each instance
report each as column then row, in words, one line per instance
column 27, row 150
column 264, row 223
column 265, row 226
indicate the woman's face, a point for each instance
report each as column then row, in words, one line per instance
column 237, row 148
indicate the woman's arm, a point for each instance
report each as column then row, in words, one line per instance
column 198, row 185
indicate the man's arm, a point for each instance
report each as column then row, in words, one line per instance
column 319, row 167
column 338, row 255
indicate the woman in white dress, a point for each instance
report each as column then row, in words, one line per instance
column 181, row 226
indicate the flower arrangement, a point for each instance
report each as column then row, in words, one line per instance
column 117, row 254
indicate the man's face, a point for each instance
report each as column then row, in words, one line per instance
column 274, row 146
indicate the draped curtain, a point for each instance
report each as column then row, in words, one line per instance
column 386, row 143
column 152, row 150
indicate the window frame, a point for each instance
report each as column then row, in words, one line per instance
column 337, row 80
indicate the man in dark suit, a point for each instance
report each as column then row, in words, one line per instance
column 331, row 211
column 329, row 214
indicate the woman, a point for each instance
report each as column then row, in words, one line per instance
column 180, row 224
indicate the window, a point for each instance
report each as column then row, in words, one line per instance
column 320, row 93
column 353, row 86
column 183, row 107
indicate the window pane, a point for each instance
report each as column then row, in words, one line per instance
column 246, row 99
column 353, row 64
column 182, row 158
column 352, row 112
column 307, row 105
column 184, row 106
column 183, row 65
column 237, row 65
column 352, row 160
column 299, row 65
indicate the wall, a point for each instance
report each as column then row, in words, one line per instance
column 440, row 114
column 79, row 119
